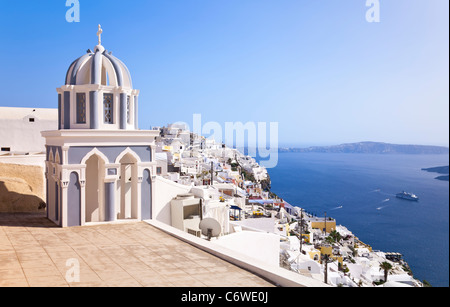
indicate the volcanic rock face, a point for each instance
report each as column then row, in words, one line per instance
column 21, row 188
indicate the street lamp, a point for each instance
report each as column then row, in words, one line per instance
column 325, row 258
column 301, row 229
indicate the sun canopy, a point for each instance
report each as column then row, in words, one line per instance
column 261, row 201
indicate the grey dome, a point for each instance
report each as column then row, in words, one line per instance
column 98, row 67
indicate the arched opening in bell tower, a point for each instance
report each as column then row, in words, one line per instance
column 95, row 202
column 128, row 187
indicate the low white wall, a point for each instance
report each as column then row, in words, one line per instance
column 275, row 274
column 258, row 245
column 164, row 191
column 38, row 160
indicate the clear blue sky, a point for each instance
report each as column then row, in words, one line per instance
column 318, row 68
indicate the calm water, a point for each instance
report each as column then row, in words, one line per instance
column 358, row 190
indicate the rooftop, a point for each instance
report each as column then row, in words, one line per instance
column 34, row 252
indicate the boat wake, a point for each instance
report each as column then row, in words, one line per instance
column 384, row 201
column 382, row 193
column 340, row 207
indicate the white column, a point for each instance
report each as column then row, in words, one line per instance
column 63, row 204
column 138, row 193
column 83, row 200
column 65, row 155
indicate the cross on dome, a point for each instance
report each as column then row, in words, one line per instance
column 99, row 34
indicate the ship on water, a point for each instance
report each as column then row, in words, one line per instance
column 407, row 196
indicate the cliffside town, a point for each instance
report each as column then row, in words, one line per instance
column 234, row 189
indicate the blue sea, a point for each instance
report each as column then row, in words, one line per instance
column 358, row 190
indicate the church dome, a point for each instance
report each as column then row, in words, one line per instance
column 99, row 67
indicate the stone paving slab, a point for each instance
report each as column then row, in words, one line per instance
column 34, row 252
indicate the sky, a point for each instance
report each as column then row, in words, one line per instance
column 317, row 68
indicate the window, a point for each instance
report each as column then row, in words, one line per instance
column 108, row 108
column 31, row 120
column 6, row 149
column 81, row 108
column 159, row 170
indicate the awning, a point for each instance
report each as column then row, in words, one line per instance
column 288, row 206
column 261, row 201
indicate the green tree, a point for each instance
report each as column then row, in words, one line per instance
column 386, row 266
column 336, row 236
column 333, row 237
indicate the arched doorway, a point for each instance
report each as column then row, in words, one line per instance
column 73, row 201
column 146, row 196
column 128, row 188
column 95, row 202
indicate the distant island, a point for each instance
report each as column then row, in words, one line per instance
column 372, row 148
column 439, row 170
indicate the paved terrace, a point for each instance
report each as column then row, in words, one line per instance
column 34, row 252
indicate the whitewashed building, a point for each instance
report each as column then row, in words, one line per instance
column 20, row 129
